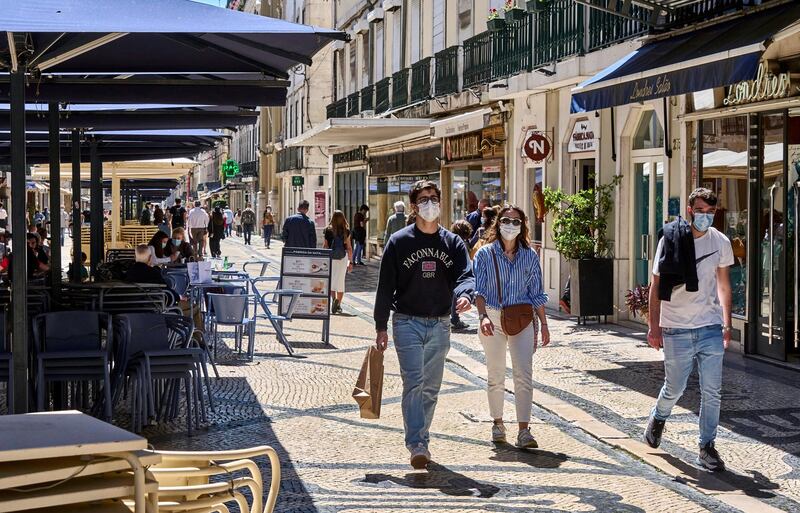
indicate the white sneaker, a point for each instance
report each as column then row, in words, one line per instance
column 420, row 457
column 499, row 433
column 525, row 439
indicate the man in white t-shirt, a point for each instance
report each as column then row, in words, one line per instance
column 198, row 226
column 691, row 321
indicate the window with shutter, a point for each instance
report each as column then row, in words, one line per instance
column 378, row 50
column 352, row 78
column 464, row 19
column 340, row 79
column 416, row 30
column 439, row 27
column 365, row 60
column 397, row 40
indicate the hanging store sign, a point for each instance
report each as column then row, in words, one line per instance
column 582, row 138
column 766, row 86
column 230, row 168
column 298, row 181
column 537, row 146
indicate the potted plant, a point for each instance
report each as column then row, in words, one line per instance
column 579, row 228
column 537, row 5
column 512, row 12
column 637, row 300
column 494, row 22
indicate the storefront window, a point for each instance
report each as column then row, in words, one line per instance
column 350, row 194
column 473, row 184
column 384, row 192
column 724, row 170
column 649, row 134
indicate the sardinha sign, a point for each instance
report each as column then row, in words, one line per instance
column 766, row 86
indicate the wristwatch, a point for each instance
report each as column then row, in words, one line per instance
column 484, row 316
column 726, row 329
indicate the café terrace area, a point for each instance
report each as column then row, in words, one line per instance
column 121, row 96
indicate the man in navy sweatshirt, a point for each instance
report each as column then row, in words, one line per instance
column 423, row 266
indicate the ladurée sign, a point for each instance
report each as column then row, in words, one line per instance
column 766, row 86
column 655, row 86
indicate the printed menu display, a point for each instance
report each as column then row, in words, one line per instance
column 308, row 270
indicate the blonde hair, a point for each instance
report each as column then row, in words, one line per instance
column 178, row 231
column 143, row 254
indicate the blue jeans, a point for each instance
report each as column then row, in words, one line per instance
column 248, row 232
column 422, row 344
column 358, row 250
column 267, row 233
column 682, row 347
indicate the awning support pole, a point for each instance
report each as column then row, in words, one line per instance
column 19, row 229
column 96, row 206
column 54, row 153
column 77, row 215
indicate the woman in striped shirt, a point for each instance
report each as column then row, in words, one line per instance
column 508, row 244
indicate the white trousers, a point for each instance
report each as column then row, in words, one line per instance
column 521, row 346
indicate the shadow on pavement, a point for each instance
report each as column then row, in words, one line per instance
column 439, row 477
column 536, row 458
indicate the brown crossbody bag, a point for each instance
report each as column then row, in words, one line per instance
column 514, row 318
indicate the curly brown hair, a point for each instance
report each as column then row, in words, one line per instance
column 523, row 239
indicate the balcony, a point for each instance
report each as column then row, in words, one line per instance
column 400, row 88
column 421, row 80
column 330, row 110
column 478, row 59
column 353, row 104
column 511, row 49
column 290, row 159
column 368, row 98
column 606, row 29
column 337, row 109
column 446, row 71
column 382, row 92
column 558, row 32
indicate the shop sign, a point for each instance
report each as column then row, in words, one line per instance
column 582, row 138
column 493, row 142
column 463, row 147
column 298, row 181
column 766, row 86
column 537, row 146
column 230, row 168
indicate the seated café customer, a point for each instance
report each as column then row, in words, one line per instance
column 178, row 245
column 158, row 246
column 142, row 271
column 38, row 261
column 84, row 269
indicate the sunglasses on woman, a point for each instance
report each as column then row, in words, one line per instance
column 509, row 220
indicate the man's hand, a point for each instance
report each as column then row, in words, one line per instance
column 726, row 338
column 487, row 327
column 382, row 341
column 655, row 338
column 545, row 335
column 463, row 305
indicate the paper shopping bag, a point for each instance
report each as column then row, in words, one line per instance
column 369, row 386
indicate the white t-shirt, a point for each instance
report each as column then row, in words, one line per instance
column 198, row 218
column 3, row 214
column 697, row 309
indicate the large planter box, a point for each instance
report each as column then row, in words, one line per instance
column 515, row 14
column 592, row 287
column 496, row 25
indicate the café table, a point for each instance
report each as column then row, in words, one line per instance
column 49, row 435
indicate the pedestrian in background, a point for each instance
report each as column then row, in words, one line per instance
column 144, row 217
column 396, row 222
column 248, row 223
column 463, row 230
column 267, row 225
column 237, row 222
column 228, row 220
column 479, row 237
column 423, row 266
column 216, row 232
column 337, row 239
column 360, row 234
column 198, row 227
column 508, row 274
column 299, row 230
column 690, row 318
column 177, row 214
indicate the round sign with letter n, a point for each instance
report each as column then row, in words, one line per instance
column 537, row 146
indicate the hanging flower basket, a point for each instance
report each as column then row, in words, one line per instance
column 496, row 24
column 537, row 5
column 515, row 14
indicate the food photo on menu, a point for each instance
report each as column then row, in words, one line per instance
column 303, row 265
column 317, row 306
column 307, row 284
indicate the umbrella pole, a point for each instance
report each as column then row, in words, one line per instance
column 19, row 289
column 77, row 215
column 54, row 153
column 96, row 206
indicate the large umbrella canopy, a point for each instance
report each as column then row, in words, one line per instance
column 133, row 117
column 152, row 36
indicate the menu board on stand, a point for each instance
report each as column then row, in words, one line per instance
column 308, row 270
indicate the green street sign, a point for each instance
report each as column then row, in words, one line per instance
column 298, row 181
column 230, row 168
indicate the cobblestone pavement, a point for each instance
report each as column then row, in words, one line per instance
column 334, row 461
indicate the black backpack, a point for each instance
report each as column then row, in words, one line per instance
column 338, row 250
column 248, row 217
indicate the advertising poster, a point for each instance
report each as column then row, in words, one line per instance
column 320, row 208
column 308, row 270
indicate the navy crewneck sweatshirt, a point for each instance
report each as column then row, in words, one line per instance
column 420, row 273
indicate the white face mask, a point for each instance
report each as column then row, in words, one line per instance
column 429, row 211
column 509, row 231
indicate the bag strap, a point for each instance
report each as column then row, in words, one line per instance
column 497, row 276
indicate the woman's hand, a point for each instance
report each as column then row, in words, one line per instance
column 349, row 266
column 487, row 327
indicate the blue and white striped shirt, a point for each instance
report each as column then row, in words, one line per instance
column 521, row 278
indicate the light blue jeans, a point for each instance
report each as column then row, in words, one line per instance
column 358, row 253
column 682, row 347
column 422, row 344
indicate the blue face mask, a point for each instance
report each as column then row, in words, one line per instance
column 703, row 222
column 176, row 242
